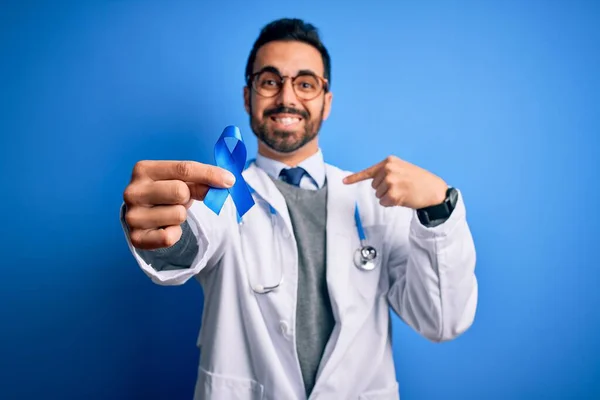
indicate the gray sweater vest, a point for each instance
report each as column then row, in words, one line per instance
column 314, row 317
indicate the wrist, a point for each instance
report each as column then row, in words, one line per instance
column 440, row 195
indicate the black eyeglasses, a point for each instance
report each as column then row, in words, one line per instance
column 268, row 83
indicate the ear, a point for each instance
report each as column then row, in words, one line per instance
column 247, row 99
column 327, row 106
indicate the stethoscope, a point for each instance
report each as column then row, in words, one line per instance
column 365, row 256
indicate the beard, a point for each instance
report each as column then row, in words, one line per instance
column 283, row 141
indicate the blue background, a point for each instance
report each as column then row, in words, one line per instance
column 502, row 99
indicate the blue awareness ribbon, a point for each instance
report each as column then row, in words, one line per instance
column 234, row 162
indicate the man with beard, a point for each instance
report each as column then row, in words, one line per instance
column 298, row 293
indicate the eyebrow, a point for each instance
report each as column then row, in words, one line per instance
column 268, row 68
column 275, row 70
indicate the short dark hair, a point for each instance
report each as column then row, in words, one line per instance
column 290, row 29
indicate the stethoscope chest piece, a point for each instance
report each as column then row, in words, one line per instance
column 364, row 257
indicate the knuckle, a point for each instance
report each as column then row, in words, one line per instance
column 171, row 236
column 164, row 240
column 180, row 214
column 210, row 174
column 130, row 194
column 130, row 218
column 184, row 169
column 140, row 168
column 136, row 239
column 180, row 192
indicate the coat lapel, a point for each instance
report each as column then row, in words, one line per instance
column 340, row 225
column 349, row 307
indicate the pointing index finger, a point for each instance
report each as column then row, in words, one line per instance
column 362, row 175
column 188, row 171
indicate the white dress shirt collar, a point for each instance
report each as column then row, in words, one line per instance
column 313, row 165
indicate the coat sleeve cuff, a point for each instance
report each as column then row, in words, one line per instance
column 458, row 216
column 171, row 275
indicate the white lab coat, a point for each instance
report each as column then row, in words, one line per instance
column 247, row 340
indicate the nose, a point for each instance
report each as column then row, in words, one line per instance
column 287, row 96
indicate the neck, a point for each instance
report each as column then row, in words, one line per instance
column 290, row 159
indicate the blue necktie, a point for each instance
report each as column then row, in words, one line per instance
column 292, row 175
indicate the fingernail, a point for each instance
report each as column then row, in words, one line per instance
column 228, row 179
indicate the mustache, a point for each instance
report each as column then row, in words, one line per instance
column 285, row 110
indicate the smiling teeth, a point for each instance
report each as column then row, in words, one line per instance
column 287, row 121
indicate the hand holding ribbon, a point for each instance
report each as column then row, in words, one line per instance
column 233, row 161
column 158, row 197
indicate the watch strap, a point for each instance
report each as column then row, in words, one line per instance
column 439, row 213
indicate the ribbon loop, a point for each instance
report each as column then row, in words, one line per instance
column 233, row 161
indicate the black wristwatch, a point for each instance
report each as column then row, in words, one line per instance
column 435, row 215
